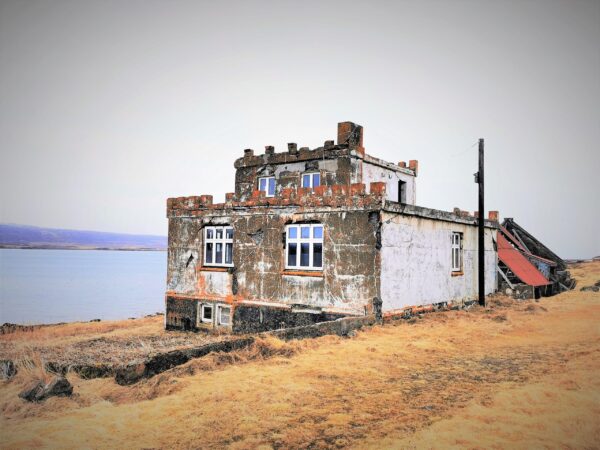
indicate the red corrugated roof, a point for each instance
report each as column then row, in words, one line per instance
column 519, row 265
column 515, row 241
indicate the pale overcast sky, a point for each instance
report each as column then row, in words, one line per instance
column 109, row 107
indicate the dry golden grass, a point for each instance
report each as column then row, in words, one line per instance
column 111, row 342
column 513, row 375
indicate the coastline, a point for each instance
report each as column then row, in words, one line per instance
column 80, row 247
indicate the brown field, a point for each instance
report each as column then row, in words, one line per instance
column 111, row 342
column 514, row 375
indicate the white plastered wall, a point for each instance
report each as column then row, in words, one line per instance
column 416, row 262
column 374, row 173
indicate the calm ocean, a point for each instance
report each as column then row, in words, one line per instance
column 49, row 286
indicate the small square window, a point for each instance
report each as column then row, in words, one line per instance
column 207, row 313
column 318, row 232
column 311, row 180
column 224, row 315
column 267, row 185
column 293, row 232
column 305, row 232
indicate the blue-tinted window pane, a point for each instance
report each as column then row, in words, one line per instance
column 219, row 253
column 305, row 232
column 292, row 251
column 304, row 249
column 293, row 232
column 209, row 252
column 318, row 232
column 229, row 233
column 316, row 180
column 209, row 233
column 219, row 233
column 317, row 255
column 271, row 186
column 306, row 181
column 228, row 253
column 262, row 184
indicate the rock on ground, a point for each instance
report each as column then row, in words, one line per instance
column 38, row 390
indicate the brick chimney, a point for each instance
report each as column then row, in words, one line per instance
column 293, row 148
column 351, row 134
column 413, row 165
column 493, row 215
column 269, row 150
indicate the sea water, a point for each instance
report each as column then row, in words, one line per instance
column 50, row 286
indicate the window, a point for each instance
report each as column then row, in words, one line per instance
column 304, row 247
column 311, row 180
column 456, row 252
column 224, row 313
column 218, row 246
column 401, row 191
column 207, row 313
column 267, row 184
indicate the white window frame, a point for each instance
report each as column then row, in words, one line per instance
column 214, row 241
column 212, row 314
column 298, row 240
column 266, row 191
column 220, row 310
column 457, row 256
column 311, row 179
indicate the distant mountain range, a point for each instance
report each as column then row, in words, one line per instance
column 26, row 236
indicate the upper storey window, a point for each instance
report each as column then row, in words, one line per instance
column 304, row 247
column 267, row 185
column 311, row 180
column 218, row 246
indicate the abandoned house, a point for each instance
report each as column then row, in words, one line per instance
column 527, row 268
column 316, row 234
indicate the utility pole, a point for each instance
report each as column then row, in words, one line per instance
column 481, row 234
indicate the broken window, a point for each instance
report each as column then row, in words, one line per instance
column 218, row 246
column 224, row 313
column 304, row 246
column 267, row 185
column 456, row 252
column 207, row 313
column 311, row 180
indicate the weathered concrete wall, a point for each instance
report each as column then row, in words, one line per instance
column 416, row 261
column 348, row 280
column 337, row 165
column 372, row 172
column 346, row 285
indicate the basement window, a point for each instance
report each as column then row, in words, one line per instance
column 207, row 313
column 456, row 252
column 304, row 247
column 224, row 315
column 311, row 180
column 267, row 185
column 218, row 246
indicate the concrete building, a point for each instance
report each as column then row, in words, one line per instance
column 314, row 235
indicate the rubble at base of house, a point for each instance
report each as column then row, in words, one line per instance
column 310, row 236
column 527, row 268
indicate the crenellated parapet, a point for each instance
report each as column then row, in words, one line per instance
column 336, row 196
